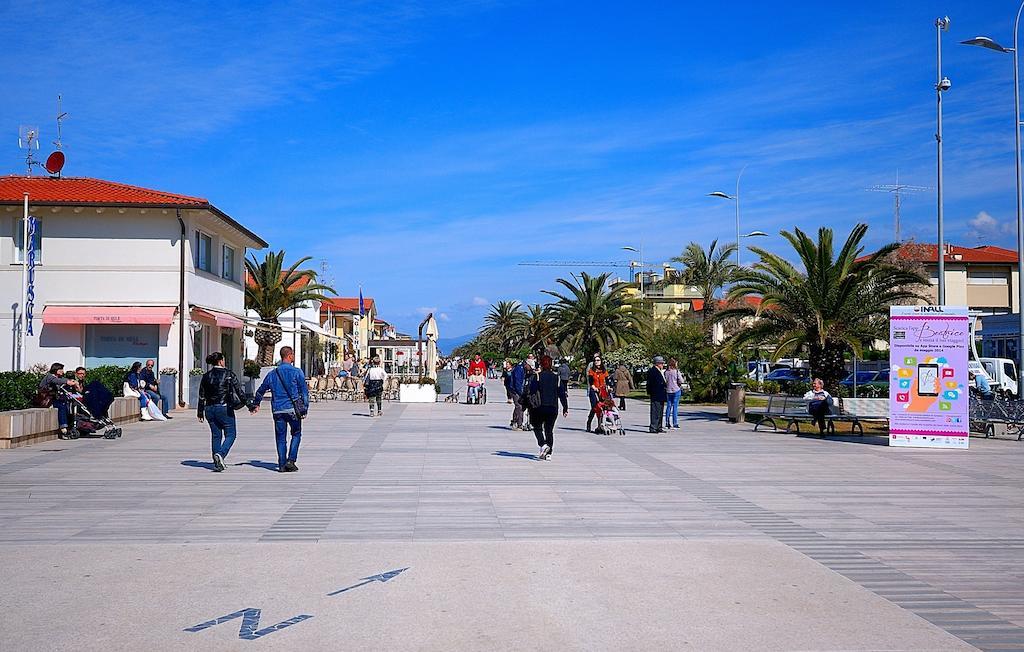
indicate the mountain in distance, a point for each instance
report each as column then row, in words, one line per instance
column 448, row 344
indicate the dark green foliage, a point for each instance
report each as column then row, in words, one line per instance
column 17, row 389
column 111, row 376
column 709, row 372
column 250, row 369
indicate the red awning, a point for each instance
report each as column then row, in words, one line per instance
column 108, row 314
column 222, row 319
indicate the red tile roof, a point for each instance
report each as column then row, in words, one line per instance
column 753, row 302
column 929, row 253
column 302, row 282
column 83, row 191
column 346, row 304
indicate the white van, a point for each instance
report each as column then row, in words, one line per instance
column 1002, row 373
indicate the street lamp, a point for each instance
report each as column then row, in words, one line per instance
column 639, row 252
column 735, row 198
column 942, row 84
column 987, row 43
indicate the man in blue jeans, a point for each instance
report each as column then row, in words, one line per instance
column 289, row 402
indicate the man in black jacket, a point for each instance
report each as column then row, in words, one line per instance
column 656, row 390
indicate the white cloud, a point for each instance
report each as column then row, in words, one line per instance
column 443, row 316
column 424, row 311
column 480, row 301
column 983, row 225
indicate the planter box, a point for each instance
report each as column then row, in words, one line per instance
column 169, row 388
column 193, row 391
column 37, row 425
column 417, row 394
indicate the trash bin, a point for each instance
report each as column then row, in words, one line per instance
column 737, row 402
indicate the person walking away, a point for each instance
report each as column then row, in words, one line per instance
column 597, row 378
column 374, row 384
column 673, row 390
column 656, row 392
column 550, row 390
column 47, row 394
column 819, row 403
column 220, row 394
column 564, row 376
column 289, row 402
column 531, row 371
column 149, row 379
column 517, row 377
column 623, row 384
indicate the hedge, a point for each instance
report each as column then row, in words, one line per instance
column 18, row 387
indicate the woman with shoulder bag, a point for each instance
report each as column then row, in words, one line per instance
column 545, row 391
column 220, row 394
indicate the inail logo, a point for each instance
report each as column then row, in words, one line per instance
column 929, row 309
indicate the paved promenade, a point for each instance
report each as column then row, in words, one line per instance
column 712, row 537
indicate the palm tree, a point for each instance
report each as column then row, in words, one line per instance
column 708, row 270
column 503, row 325
column 592, row 317
column 271, row 290
column 837, row 302
column 536, row 328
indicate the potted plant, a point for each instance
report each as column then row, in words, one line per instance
column 251, row 370
column 169, row 383
column 421, row 390
column 194, row 376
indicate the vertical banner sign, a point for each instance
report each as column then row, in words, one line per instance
column 30, row 294
column 928, row 395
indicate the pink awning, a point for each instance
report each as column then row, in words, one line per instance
column 108, row 314
column 222, row 319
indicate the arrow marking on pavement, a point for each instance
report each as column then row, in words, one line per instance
column 382, row 577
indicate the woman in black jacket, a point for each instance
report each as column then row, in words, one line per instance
column 219, row 394
column 551, row 391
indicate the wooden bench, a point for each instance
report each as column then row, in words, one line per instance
column 37, row 425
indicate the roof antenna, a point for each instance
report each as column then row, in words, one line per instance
column 898, row 190
column 28, row 139
column 55, row 161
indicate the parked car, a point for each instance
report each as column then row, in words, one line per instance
column 787, row 377
column 867, row 379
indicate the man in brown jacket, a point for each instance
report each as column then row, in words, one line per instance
column 623, row 384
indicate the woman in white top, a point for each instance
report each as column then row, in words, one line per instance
column 820, row 403
column 374, row 383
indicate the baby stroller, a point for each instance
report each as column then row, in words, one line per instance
column 608, row 415
column 88, row 414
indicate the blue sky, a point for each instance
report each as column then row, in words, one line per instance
column 424, row 150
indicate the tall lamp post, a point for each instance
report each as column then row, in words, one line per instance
column 986, row 42
column 942, row 84
column 736, row 199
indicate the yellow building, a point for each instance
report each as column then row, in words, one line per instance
column 354, row 329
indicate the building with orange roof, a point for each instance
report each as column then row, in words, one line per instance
column 123, row 273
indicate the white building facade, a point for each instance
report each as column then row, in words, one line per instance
column 122, row 274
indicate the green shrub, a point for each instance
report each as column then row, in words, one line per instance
column 770, row 387
column 250, row 369
column 17, row 389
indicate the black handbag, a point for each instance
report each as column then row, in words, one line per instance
column 239, row 401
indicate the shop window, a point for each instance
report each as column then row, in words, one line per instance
column 987, row 276
column 227, row 346
column 198, row 359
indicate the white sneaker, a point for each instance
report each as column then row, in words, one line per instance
column 145, row 415
column 545, row 452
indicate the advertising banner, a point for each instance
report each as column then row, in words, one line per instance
column 928, row 383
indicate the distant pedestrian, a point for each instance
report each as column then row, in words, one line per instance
column 477, row 364
column 623, row 384
column 673, row 390
column 656, row 392
column 597, row 382
column 550, row 391
column 290, row 403
column 531, row 370
column 220, row 394
column 564, row 372
column 374, row 384
column 506, row 376
column 517, row 378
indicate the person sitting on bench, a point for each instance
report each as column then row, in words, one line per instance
column 820, row 403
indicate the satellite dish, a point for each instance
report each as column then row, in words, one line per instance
column 54, row 162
